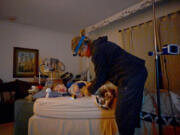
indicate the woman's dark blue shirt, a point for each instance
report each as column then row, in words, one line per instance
column 112, row 63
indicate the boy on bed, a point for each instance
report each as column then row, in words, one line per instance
column 123, row 69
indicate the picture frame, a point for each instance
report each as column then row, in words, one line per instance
column 25, row 62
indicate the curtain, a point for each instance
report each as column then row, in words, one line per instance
column 127, row 40
column 139, row 41
column 170, row 34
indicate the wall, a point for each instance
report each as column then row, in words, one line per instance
column 112, row 29
column 49, row 44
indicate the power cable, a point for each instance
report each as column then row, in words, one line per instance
column 169, row 95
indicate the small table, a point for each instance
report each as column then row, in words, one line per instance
column 23, row 110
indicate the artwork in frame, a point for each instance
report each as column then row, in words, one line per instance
column 25, row 63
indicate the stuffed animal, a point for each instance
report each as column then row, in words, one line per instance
column 79, row 89
column 48, row 91
column 105, row 98
column 106, row 95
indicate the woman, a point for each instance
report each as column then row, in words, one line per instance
column 123, row 69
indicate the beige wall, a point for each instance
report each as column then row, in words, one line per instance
column 49, row 44
column 112, row 29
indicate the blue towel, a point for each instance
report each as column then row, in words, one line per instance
column 43, row 93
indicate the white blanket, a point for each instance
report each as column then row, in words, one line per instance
column 66, row 107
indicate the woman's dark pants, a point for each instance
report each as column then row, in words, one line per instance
column 129, row 102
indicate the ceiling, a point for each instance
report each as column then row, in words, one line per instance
column 67, row 16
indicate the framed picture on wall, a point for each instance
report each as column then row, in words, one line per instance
column 25, row 62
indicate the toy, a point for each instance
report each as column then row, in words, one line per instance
column 79, row 89
column 31, row 92
column 48, row 91
column 105, row 98
column 106, row 95
column 40, row 87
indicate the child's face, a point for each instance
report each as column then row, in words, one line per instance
column 108, row 95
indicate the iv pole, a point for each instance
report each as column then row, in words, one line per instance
column 157, row 69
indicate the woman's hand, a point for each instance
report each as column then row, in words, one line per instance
column 85, row 90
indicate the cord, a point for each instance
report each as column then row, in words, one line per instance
column 170, row 99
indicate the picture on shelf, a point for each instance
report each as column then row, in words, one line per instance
column 25, row 62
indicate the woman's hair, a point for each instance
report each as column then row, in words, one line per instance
column 75, row 40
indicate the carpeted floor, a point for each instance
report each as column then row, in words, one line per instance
column 7, row 129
